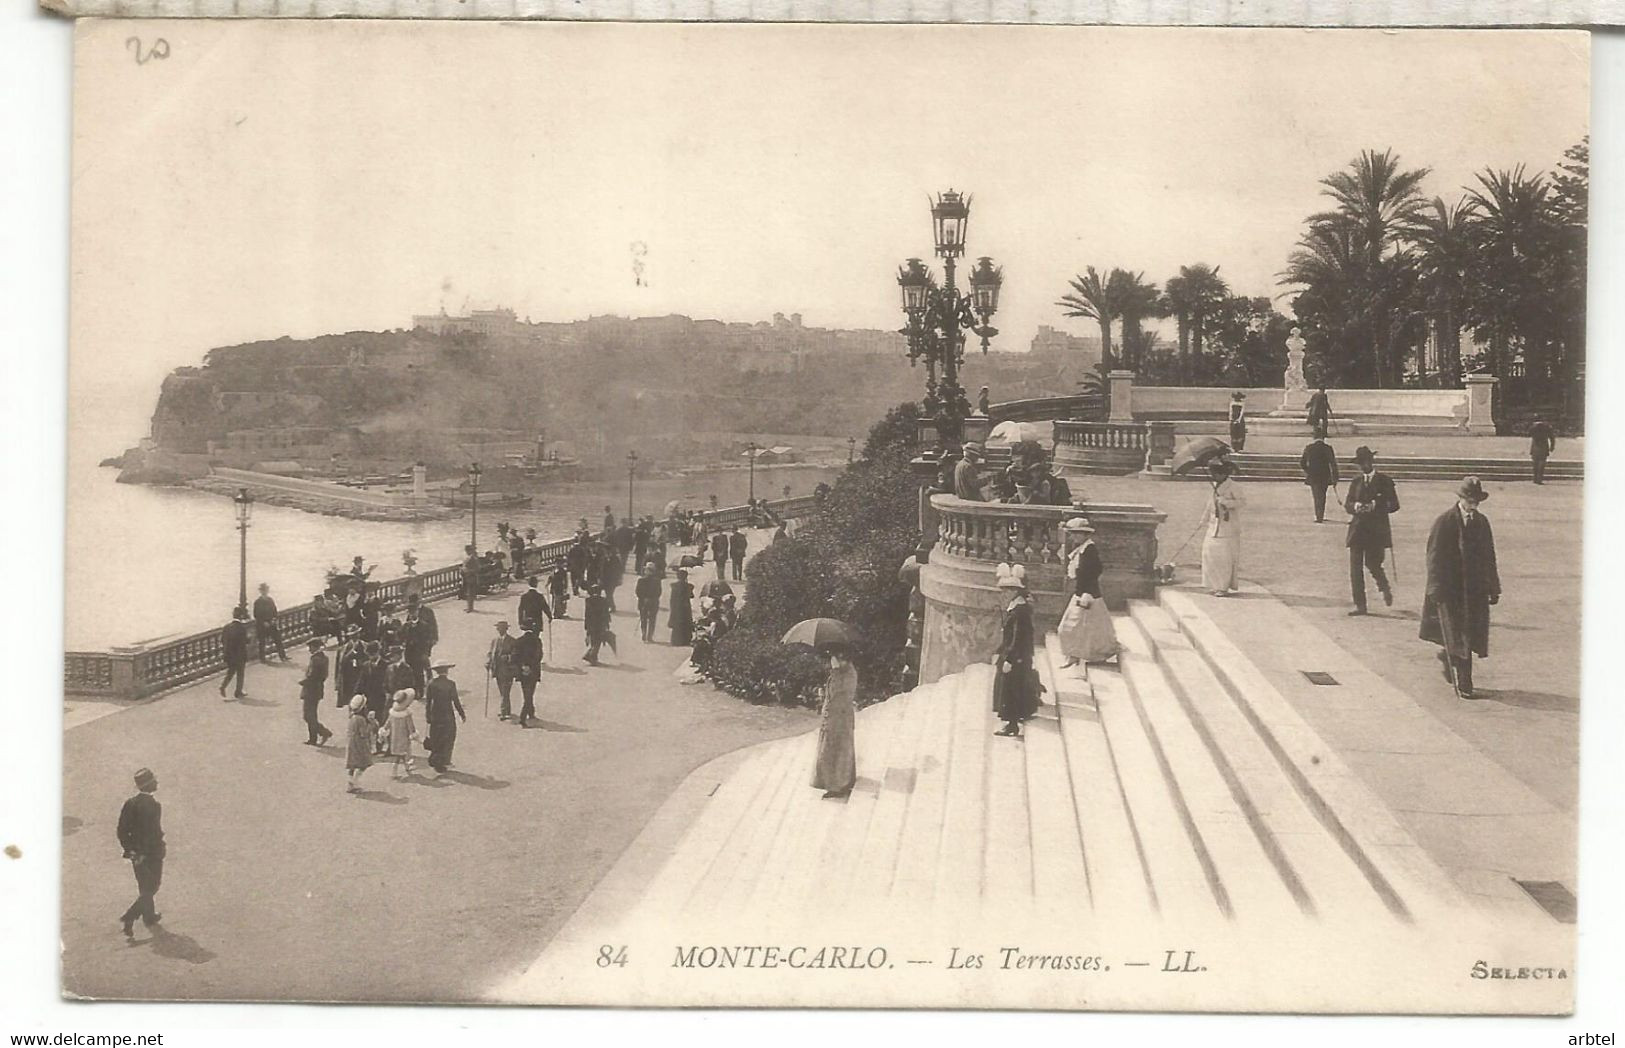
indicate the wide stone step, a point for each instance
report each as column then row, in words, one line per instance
column 1114, row 860
column 1180, row 887
column 965, row 813
column 1059, row 873
column 1315, row 869
column 1246, row 885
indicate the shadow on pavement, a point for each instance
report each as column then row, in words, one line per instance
column 179, row 947
column 480, row 782
column 622, row 666
column 249, row 700
column 1530, row 700
column 547, row 725
column 568, row 670
column 381, row 796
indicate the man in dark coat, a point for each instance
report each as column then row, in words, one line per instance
column 533, row 609
column 442, row 709
column 265, row 627
column 611, row 569
column 420, row 635
column 1320, row 413
column 577, row 559
column 1542, row 442
column 595, row 622
column 527, row 670
column 648, row 593
column 499, row 664
column 1370, row 500
column 310, row 693
column 967, row 475
column 640, row 545
column 719, row 551
column 1319, row 464
column 558, row 584
column 399, row 675
column 471, row 575
column 738, row 546
column 1238, row 420
column 1462, row 583
column 352, row 657
column 516, row 552
column 234, row 645
column 141, row 835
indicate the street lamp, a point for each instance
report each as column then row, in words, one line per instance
column 631, row 470
column 474, row 506
column 751, row 450
column 851, row 447
column 245, row 509
column 938, row 317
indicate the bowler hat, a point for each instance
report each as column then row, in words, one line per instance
column 1364, row 454
column 1471, row 489
column 144, row 777
column 314, row 642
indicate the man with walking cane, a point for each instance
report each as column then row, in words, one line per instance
column 1319, row 464
column 1462, row 583
column 527, row 664
column 1370, row 500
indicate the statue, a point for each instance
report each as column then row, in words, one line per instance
column 1295, row 394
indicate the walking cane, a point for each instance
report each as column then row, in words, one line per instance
column 487, row 714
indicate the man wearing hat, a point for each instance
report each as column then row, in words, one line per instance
column 1238, row 420
column 1462, row 583
column 967, row 474
column 648, row 594
column 471, row 575
column 1319, row 465
column 1370, row 499
column 1015, row 682
column 499, row 664
column 595, row 623
column 442, row 709
column 420, row 634
column 527, row 667
column 234, row 645
column 141, row 835
column 310, row 692
column 265, row 627
column 533, row 607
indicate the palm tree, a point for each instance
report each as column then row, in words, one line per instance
column 1329, row 266
column 1136, row 300
column 1510, row 232
column 1095, row 298
column 1192, row 299
column 1444, row 256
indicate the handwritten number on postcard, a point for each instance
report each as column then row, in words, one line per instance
column 159, row 49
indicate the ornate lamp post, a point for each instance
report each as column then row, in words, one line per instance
column 938, row 317
column 631, row 470
column 245, row 509
column 474, row 505
column 751, row 448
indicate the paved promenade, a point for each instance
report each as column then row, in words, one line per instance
column 280, row 885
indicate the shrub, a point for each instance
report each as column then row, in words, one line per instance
column 843, row 565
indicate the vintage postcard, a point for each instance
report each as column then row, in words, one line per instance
column 828, row 516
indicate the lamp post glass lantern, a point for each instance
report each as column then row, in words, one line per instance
column 939, row 316
column 244, row 506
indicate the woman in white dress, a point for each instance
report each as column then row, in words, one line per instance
column 1221, row 543
column 1086, row 633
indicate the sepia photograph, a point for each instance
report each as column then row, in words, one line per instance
column 825, row 516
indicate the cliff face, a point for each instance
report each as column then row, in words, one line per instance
column 417, row 394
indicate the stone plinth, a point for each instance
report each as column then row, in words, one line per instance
column 1481, row 405
column 1120, row 388
column 964, row 607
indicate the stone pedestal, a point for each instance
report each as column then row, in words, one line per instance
column 420, row 483
column 1120, row 388
column 1481, row 405
column 1295, row 390
column 1159, row 444
column 976, row 429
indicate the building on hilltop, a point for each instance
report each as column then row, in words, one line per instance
column 1084, row 348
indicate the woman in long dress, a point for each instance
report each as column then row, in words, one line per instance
column 1015, row 681
column 1086, row 632
column 837, row 767
column 1221, row 544
column 681, row 619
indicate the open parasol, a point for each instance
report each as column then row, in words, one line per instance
column 820, row 634
column 689, row 560
column 1198, row 452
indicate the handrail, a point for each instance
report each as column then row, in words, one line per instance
column 1043, row 409
column 139, row 672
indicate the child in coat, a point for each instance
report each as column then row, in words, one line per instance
column 358, row 738
column 400, row 731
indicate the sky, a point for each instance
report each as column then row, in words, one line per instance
column 301, row 178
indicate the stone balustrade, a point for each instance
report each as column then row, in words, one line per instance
column 963, row 605
column 1111, row 448
column 1044, row 409
column 140, row 672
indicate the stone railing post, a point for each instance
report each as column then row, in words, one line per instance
column 1121, row 392
column 1159, row 443
column 1481, row 404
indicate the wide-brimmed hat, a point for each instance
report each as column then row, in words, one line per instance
column 1364, row 454
column 502, row 622
column 975, row 451
column 1078, row 524
column 405, row 696
column 1470, row 488
column 1012, row 576
column 437, row 667
column 358, row 703
column 314, row 642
